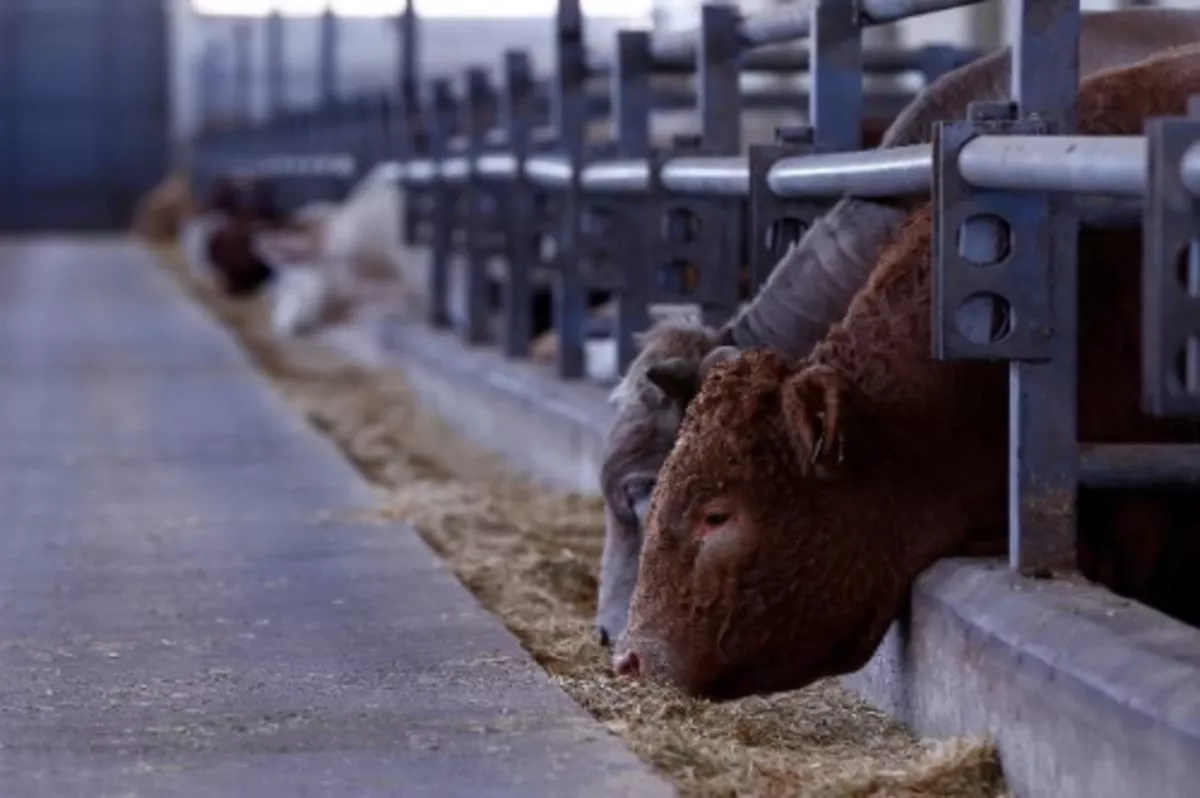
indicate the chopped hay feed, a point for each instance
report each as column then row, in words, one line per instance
column 531, row 557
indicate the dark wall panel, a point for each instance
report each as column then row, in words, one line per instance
column 84, row 126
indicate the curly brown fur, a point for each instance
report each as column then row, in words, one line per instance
column 803, row 498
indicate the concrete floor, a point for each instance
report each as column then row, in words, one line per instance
column 187, row 607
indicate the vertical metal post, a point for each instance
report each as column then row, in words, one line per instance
column 241, row 74
column 274, row 63
column 717, row 61
column 443, row 206
column 222, row 84
column 208, row 88
column 1005, row 284
column 636, row 258
column 362, row 134
column 570, row 109
column 379, row 142
column 410, row 126
column 10, row 213
column 478, row 116
column 1043, row 396
column 720, row 98
column 835, row 65
column 327, row 77
column 409, row 53
column 518, row 111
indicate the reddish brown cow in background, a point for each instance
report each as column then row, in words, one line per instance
column 246, row 206
column 803, row 498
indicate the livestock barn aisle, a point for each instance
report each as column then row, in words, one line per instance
column 189, row 608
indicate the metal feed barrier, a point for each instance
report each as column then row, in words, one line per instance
column 486, row 179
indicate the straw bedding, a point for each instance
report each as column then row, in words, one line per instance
column 532, row 557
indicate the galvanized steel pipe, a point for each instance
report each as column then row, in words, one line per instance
column 875, row 61
column 1079, row 164
column 727, row 176
column 497, row 165
column 1190, row 170
column 622, row 176
column 390, row 171
column 891, row 172
column 794, row 21
column 552, row 171
column 455, row 170
column 419, row 172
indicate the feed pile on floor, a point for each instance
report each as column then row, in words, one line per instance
column 531, row 556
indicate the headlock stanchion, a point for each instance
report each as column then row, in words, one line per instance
column 516, row 203
column 631, row 123
column 1171, row 266
column 569, row 111
column 699, row 222
column 443, row 200
column 481, row 211
column 1009, row 284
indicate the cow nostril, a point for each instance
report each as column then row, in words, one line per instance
column 605, row 640
column 628, row 665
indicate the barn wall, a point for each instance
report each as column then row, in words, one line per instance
column 83, row 111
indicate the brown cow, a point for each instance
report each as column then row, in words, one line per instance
column 802, row 499
column 243, row 207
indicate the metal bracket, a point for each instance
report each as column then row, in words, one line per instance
column 777, row 223
column 695, row 260
column 1170, row 271
column 599, row 231
column 993, row 275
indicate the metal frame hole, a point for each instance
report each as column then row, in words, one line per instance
column 984, row 318
column 1187, row 267
column 1186, row 372
column 598, row 221
column 680, row 226
column 782, row 233
column 679, row 277
column 984, row 239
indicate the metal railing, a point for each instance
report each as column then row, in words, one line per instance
column 475, row 167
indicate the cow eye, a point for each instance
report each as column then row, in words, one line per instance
column 638, row 488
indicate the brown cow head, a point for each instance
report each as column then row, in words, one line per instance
column 762, row 569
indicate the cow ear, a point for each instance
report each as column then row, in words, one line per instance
column 677, row 378
column 815, row 413
column 719, row 355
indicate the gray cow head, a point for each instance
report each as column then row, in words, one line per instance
column 651, row 402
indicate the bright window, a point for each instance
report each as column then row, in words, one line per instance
column 480, row 9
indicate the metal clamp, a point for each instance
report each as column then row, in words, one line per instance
column 1171, row 270
column 777, row 223
column 993, row 271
